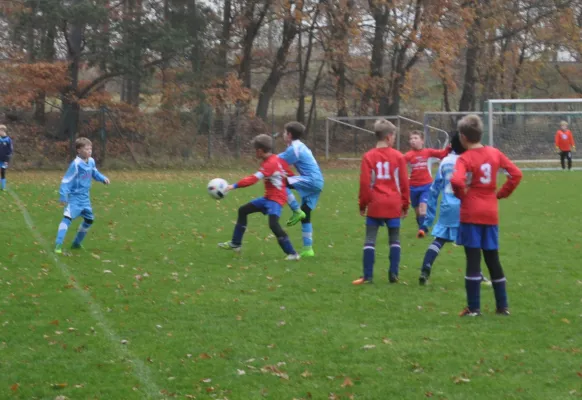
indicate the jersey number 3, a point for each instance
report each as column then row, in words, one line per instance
column 383, row 170
column 486, row 178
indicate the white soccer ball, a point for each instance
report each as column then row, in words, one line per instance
column 217, row 188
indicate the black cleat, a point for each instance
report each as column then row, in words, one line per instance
column 392, row 277
column 503, row 311
column 424, row 275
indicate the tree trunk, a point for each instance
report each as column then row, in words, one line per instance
column 467, row 101
column 225, row 38
column 304, row 66
column 278, row 67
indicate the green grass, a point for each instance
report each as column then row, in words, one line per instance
column 199, row 317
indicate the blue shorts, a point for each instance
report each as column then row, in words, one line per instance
column 476, row 236
column 73, row 210
column 445, row 232
column 308, row 189
column 4, row 164
column 419, row 194
column 267, row 207
column 390, row 222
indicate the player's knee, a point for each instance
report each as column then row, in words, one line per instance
column 276, row 227
column 67, row 218
column 88, row 221
column 394, row 235
column 307, row 210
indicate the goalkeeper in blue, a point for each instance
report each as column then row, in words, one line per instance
column 74, row 194
column 447, row 226
column 308, row 183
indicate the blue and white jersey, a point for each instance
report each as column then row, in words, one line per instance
column 6, row 148
column 299, row 155
column 450, row 206
column 76, row 183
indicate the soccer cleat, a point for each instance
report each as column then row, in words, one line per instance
column 393, row 278
column 77, row 246
column 468, row 313
column 485, row 281
column 503, row 311
column 59, row 249
column 307, row 253
column 229, row 246
column 424, row 275
column 293, row 257
column 296, row 217
column 420, row 234
column 361, row 281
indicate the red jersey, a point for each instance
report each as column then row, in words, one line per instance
column 564, row 140
column 275, row 171
column 384, row 190
column 418, row 160
column 475, row 183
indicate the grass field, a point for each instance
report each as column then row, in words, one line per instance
column 152, row 309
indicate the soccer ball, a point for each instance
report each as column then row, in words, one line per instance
column 217, row 188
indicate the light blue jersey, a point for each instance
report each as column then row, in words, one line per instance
column 450, row 206
column 76, row 183
column 300, row 156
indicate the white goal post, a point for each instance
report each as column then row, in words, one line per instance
column 344, row 139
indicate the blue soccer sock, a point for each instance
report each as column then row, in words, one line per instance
column 431, row 254
column 237, row 235
column 81, row 233
column 63, row 227
column 500, row 292
column 307, row 232
column 420, row 220
column 473, row 288
column 394, row 257
column 3, row 183
column 369, row 258
column 292, row 201
column 286, row 245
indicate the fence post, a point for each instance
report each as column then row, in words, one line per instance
column 399, row 133
column 327, row 139
column 103, row 136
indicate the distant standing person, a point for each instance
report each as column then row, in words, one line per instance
column 6, row 151
column 565, row 145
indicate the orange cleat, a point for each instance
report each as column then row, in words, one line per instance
column 420, row 234
column 361, row 281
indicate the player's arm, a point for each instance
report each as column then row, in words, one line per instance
column 287, row 168
column 458, row 181
column 67, row 182
column 10, row 148
column 99, row 177
column 572, row 143
column 365, row 182
column 404, row 184
column 440, row 154
column 289, row 155
column 435, row 190
column 557, row 141
column 514, row 176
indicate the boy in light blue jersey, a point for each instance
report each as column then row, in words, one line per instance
column 74, row 193
column 308, row 183
column 447, row 225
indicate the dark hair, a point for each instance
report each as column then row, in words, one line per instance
column 456, row 143
column 472, row 127
column 82, row 142
column 263, row 142
column 296, row 129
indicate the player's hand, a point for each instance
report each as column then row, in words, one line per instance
column 229, row 188
column 106, row 181
column 557, row 149
column 404, row 213
column 363, row 213
column 573, row 149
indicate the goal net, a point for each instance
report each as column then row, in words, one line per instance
column 348, row 138
column 525, row 129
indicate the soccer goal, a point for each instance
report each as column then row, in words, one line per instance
column 525, row 129
column 348, row 138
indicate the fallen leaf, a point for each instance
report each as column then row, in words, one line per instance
column 206, row 380
column 14, row 387
column 386, row 341
column 460, row 379
column 241, row 372
column 306, row 374
column 347, row 382
column 106, row 271
column 368, row 346
column 565, row 320
column 204, row 356
column 59, row 385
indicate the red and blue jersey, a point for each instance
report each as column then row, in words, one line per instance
column 275, row 172
column 419, row 167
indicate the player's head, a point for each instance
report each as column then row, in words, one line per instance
column 3, row 130
column 416, row 140
column 564, row 125
column 385, row 131
column 263, row 145
column 293, row 131
column 456, row 143
column 84, row 148
column 471, row 129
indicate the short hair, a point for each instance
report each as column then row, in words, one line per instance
column 456, row 143
column 263, row 142
column 82, row 142
column 383, row 128
column 561, row 123
column 296, row 129
column 3, row 127
column 418, row 133
column 472, row 127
